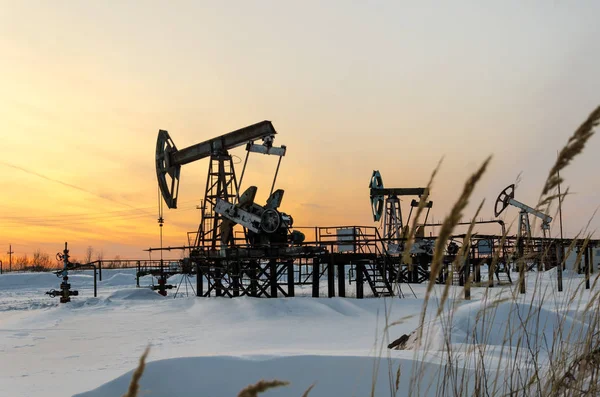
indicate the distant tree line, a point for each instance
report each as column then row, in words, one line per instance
column 42, row 261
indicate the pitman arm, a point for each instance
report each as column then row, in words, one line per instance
column 545, row 218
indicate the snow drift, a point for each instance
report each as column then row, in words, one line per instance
column 226, row 376
column 506, row 323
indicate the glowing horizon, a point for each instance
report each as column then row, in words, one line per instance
column 349, row 88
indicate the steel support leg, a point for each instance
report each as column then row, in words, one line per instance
column 315, row 277
column 341, row 273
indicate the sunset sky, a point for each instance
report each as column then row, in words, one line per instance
column 349, row 86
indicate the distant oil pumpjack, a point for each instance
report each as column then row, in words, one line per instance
column 394, row 231
column 506, row 198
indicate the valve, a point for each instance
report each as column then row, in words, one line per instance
column 65, row 292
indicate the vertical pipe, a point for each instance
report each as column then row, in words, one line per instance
column 199, row 281
column 591, row 248
column 341, row 280
column 315, row 277
column 587, row 267
column 559, row 205
column 331, row 278
column 560, row 253
column 290, row 278
column 491, row 265
column 95, row 283
column 137, row 274
column 521, row 264
column 476, row 265
column 467, row 276
column 359, row 279
column 217, row 280
column 100, row 270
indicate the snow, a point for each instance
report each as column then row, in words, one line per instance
column 471, row 324
column 217, row 346
column 195, row 376
column 135, row 294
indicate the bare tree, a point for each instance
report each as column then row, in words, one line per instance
column 20, row 262
column 40, row 261
column 87, row 258
column 116, row 262
column 100, row 255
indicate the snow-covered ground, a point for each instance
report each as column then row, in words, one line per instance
column 217, row 346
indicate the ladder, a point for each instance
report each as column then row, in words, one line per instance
column 375, row 276
column 503, row 274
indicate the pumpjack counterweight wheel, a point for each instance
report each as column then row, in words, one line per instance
column 270, row 221
column 169, row 187
column 503, row 199
column 376, row 200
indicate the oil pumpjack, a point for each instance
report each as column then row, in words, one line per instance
column 223, row 206
column 507, row 198
column 385, row 201
column 230, row 264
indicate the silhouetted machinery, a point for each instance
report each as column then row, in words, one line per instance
column 223, row 207
column 506, row 198
column 385, row 201
column 265, row 225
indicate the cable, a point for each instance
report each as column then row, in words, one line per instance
column 77, row 221
column 87, row 215
column 237, row 157
column 31, row 172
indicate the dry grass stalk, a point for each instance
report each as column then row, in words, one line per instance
column 445, row 232
column 574, row 146
column 307, row 392
column 410, row 238
column 450, row 223
column 134, row 385
column 460, row 258
column 572, row 364
column 260, row 387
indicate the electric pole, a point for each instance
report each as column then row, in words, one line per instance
column 10, row 252
column 560, row 206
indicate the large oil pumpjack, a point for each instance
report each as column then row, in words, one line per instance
column 233, row 265
column 222, row 187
